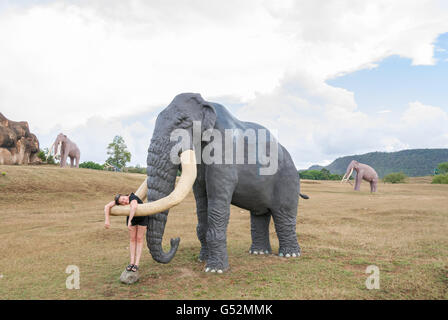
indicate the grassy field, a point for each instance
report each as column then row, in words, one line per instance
column 52, row 218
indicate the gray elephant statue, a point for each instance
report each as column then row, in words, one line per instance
column 219, row 178
column 363, row 172
column 67, row 149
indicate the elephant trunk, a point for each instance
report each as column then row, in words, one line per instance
column 161, row 180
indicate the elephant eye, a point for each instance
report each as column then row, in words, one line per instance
column 183, row 122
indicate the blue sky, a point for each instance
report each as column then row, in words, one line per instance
column 395, row 82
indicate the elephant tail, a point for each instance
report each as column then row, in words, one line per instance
column 304, row 196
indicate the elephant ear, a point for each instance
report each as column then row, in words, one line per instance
column 209, row 116
column 208, row 112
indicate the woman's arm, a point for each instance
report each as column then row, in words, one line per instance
column 133, row 205
column 107, row 208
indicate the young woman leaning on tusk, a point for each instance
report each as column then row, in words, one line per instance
column 137, row 212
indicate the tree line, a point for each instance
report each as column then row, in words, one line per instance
column 119, row 156
column 322, row 174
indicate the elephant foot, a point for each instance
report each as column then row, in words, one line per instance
column 213, row 270
column 260, row 251
column 260, row 234
column 216, row 268
column 289, row 252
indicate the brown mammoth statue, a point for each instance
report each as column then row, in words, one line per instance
column 17, row 144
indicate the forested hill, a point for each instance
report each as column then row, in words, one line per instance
column 414, row 162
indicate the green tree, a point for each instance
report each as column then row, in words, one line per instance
column 118, row 152
column 395, row 177
column 45, row 156
column 440, row 179
column 323, row 174
column 443, row 167
column 41, row 155
column 337, row 177
column 91, row 165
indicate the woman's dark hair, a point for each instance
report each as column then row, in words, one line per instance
column 117, row 197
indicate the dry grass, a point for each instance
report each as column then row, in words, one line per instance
column 52, row 217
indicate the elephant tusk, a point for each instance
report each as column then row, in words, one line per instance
column 142, row 191
column 58, row 146
column 59, row 149
column 50, row 151
column 349, row 175
column 183, row 187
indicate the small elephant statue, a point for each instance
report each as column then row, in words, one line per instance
column 363, row 172
column 218, row 183
column 67, row 149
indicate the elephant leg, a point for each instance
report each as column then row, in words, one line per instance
column 64, row 159
column 220, row 183
column 373, row 185
column 358, row 182
column 202, row 226
column 216, row 237
column 260, row 233
column 285, row 226
column 72, row 162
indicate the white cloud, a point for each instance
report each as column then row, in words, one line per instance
column 422, row 125
column 74, row 61
column 80, row 66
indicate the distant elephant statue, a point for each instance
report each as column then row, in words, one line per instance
column 219, row 183
column 363, row 172
column 67, row 148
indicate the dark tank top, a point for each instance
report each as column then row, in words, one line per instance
column 141, row 221
column 132, row 196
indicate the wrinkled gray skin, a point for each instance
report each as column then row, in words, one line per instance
column 68, row 149
column 219, row 185
column 363, row 172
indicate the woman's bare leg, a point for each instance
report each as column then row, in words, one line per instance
column 140, row 235
column 132, row 242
